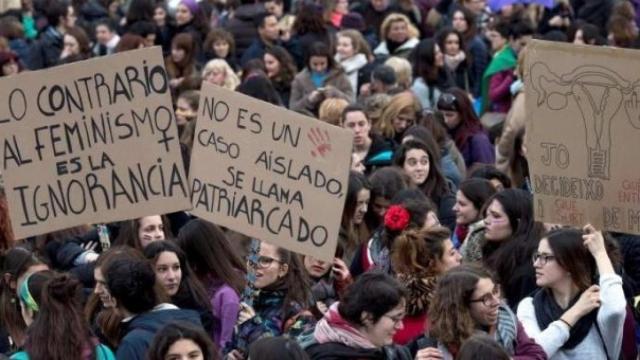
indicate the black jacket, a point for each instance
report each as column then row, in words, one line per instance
column 337, row 351
column 45, row 52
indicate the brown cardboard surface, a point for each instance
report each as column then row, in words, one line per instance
column 583, row 126
column 268, row 172
column 93, row 141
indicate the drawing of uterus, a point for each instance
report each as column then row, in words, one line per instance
column 599, row 93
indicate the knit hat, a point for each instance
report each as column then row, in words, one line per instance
column 192, row 5
column 353, row 21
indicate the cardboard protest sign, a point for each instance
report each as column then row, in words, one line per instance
column 583, row 126
column 93, row 141
column 268, row 172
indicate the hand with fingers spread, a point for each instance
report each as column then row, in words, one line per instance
column 320, row 140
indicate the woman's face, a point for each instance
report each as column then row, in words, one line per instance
column 452, row 44
column 450, row 257
column 404, row 120
column 221, row 48
column 101, row 289
column 272, row 65
column 398, row 31
column 497, row 41
column 184, row 112
column 416, row 165
column 184, row 349
column 380, row 206
column 579, row 37
column 548, row 271
column 451, row 118
column 381, row 332
column 10, row 68
column 315, row 267
column 459, row 22
column 485, row 302
column 497, row 223
column 177, row 54
column 345, row 47
column 168, row 272
column 318, row 63
column 466, row 212
column 151, row 229
column 183, row 15
column 342, row 6
column 217, row 77
column 270, row 267
column 160, row 16
column 361, row 206
column 71, row 45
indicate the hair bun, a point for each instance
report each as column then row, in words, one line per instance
column 63, row 288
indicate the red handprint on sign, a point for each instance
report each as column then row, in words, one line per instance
column 320, row 140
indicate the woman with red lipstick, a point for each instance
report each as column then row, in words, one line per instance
column 175, row 276
column 467, row 301
column 579, row 311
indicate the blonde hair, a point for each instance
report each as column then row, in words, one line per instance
column 231, row 80
column 402, row 68
column 394, row 17
column 360, row 45
column 331, row 110
column 399, row 103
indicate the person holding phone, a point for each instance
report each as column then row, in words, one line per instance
column 579, row 311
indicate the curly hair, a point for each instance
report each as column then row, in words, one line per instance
column 449, row 313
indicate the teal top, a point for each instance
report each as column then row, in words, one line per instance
column 102, row 353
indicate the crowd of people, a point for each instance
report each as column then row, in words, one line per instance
column 439, row 255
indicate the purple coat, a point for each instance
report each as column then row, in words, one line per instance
column 478, row 149
column 225, row 304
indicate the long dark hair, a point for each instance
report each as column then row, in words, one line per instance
column 287, row 65
column 211, row 255
column 173, row 332
column 423, row 58
column 60, row 309
column 357, row 183
column 190, row 286
column 128, row 233
column 478, row 191
column 442, row 36
column 321, row 49
column 469, row 121
column 504, row 257
column 296, row 281
column 435, row 186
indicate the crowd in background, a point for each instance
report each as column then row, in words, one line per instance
column 439, row 255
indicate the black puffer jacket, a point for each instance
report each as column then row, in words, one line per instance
column 242, row 28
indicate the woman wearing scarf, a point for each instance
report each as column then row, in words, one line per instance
column 467, row 302
column 497, row 79
column 362, row 324
column 419, row 258
column 579, row 311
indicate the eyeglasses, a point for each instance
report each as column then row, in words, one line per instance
column 489, row 299
column 542, row 258
column 395, row 319
column 264, row 262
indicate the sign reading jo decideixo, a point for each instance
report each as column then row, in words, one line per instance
column 583, row 126
column 268, row 172
column 94, row 141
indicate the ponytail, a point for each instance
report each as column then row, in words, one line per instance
column 416, row 251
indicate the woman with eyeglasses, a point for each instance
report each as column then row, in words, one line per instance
column 422, row 163
column 470, row 198
column 280, row 304
column 579, row 311
column 466, row 302
column 465, row 128
column 219, row 268
column 511, row 237
column 419, row 258
column 362, row 324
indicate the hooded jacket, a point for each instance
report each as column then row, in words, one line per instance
column 142, row 328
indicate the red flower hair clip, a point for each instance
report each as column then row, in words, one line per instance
column 396, row 218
